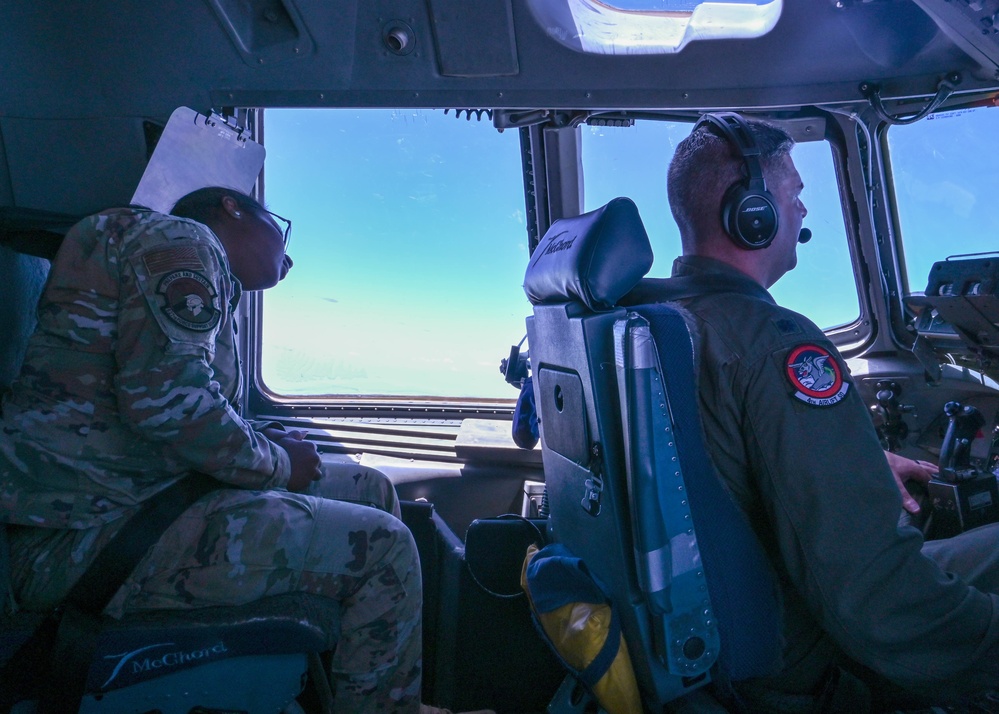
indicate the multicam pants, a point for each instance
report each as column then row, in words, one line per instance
column 233, row 547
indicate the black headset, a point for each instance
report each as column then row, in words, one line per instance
column 748, row 211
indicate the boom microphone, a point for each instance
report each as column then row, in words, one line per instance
column 804, row 235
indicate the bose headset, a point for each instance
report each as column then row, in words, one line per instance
column 748, row 212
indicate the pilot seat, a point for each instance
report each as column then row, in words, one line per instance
column 630, row 487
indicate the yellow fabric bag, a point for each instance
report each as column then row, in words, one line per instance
column 575, row 614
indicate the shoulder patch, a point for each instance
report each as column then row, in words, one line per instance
column 816, row 375
column 190, row 300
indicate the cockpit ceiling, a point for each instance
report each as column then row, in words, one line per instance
column 89, row 60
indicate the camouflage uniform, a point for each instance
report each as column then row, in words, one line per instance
column 129, row 384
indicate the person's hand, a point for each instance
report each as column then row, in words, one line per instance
column 274, row 434
column 904, row 470
column 306, row 466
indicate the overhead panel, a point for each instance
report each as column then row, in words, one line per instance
column 973, row 25
column 474, row 38
column 889, row 32
column 74, row 166
column 264, row 31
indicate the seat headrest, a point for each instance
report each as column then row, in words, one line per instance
column 595, row 258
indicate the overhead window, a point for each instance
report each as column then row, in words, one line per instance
column 629, row 27
column 410, row 248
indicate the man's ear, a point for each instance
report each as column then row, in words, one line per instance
column 230, row 206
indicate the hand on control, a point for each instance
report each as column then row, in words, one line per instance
column 904, row 470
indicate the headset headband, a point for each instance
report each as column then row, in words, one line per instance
column 749, row 212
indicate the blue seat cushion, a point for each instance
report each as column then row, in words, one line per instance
column 741, row 579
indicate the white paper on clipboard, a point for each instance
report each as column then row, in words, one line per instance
column 196, row 151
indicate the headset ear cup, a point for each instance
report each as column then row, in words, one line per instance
column 750, row 217
column 729, row 202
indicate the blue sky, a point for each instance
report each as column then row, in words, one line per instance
column 946, row 182
column 410, row 244
column 410, row 237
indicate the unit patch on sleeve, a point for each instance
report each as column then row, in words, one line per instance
column 816, row 376
column 190, row 300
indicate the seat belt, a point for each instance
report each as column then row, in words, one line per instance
column 56, row 659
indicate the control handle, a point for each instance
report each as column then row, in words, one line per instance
column 964, row 421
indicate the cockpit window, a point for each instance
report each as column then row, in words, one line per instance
column 410, row 248
column 945, row 179
column 632, row 162
column 651, row 27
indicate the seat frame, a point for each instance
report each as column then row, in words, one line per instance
column 631, row 488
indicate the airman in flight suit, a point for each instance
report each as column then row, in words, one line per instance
column 795, row 446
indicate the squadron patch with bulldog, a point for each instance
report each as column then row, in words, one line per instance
column 816, row 375
column 190, row 300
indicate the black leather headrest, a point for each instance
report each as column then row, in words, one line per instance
column 594, row 258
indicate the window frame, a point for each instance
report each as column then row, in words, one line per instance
column 852, row 337
column 446, row 411
column 426, row 410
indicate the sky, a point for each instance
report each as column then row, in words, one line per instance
column 946, row 182
column 410, row 238
column 410, row 243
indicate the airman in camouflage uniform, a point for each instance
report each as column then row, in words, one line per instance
column 129, row 384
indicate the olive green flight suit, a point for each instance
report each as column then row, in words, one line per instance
column 795, row 446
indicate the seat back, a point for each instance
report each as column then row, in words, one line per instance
column 631, row 489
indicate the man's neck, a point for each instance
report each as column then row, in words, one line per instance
column 742, row 260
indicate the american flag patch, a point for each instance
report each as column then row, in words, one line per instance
column 169, row 259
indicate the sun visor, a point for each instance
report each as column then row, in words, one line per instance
column 196, row 151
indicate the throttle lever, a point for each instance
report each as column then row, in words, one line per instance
column 955, row 452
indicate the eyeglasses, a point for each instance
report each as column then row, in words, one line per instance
column 287, row 226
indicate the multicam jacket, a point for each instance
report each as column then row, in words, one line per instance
column 130, row 378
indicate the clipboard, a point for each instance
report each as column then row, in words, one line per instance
column 196, row 151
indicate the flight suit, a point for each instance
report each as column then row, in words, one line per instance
column 129, row 384
column 794, row 445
